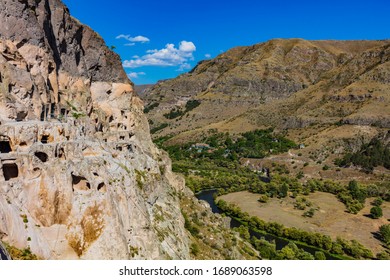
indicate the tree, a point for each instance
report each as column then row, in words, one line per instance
column 283, row 190
column 300, row 175
column 287, row 253
column 319, row 255
column 309, row 213
column 266, row 249
column 384, row 231
column 383, row 256
column 377, row 202
column 357, row 192
column 376, row 212
column 263, row 198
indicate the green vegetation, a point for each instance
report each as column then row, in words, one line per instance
column 191, row 227
column 318, row 255
column 384, row 232
column 301, row 203
column 20, row 254
column 158, row 128
column 339, row 247
column 218, row 166
column 191, row 104
column 150, row 107
column 24, row 217
column 368, row 157
column 353, row 198
column 255, row 144
column 263, row 199
column 140, row 177
column 376, row 212
column 134, row 251
column 223, row 152
column 216, row 163
column 194, row 249
column 383, row 255
column 177, row 112
column 174, row 113
column 377, row 202
column 76, row 113
column 268, row 250
column 310, row 213
column 325, row 167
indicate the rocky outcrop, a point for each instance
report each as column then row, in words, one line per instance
column 79, row 175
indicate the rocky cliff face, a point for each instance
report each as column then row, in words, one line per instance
column 79, row 175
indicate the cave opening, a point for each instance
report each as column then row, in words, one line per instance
column 42, row 156
column 99, row 127
column 59, row 153
column 21, row 116
column 102, row 187
column 10, row 171
column 80, row 183
column 5, row 146
column 45, row 139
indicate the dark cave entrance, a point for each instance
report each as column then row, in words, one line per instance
column 42, row 156
column 45, row 139
column 10, row 170
column 5, row 146
column 80, row 183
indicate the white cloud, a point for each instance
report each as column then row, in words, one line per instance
column 168, row 56
column 135, row 75
column 184, row 66
column 133, row 40
column 207, row 55
column 187, row 47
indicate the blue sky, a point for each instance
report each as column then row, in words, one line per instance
column 163, row 39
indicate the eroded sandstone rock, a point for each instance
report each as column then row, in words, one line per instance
column 79, row 175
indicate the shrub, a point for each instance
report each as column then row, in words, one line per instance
column 376, row 212
column 160, row 127
column 300, row 175
column 325, row 167
column 309, row 213
column 151, row 107
column 377, row 202
column 383, row 256
column 191, row 104
column 263, row 198
column 368, row 157
column 384, row 232
column 194, row 249
column 318, row 255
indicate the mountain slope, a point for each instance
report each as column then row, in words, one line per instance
column 287, row 84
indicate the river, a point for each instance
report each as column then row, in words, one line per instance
column 279, row 242
column 3, row 253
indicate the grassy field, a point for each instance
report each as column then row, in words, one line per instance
column 331, row 218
